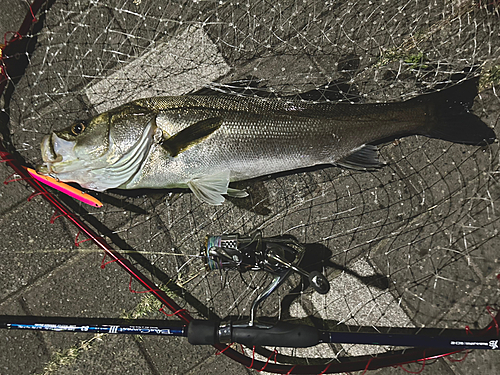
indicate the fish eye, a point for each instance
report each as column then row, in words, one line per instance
column 78, row 128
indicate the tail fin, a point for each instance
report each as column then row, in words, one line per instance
column 450, row 118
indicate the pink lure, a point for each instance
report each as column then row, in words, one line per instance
column 65, row 188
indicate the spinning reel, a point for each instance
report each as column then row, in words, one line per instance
column 278, row 256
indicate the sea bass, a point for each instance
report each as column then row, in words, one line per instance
column 204, row 142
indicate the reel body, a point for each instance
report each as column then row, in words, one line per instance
column 279, row 256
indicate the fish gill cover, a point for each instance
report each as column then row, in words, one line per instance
column 413, row 243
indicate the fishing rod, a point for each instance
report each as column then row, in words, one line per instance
column 279, row 256
column 207, row 332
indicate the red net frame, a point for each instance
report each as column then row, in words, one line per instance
column 351, row 364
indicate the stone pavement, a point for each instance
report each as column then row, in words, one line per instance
column 42, row 275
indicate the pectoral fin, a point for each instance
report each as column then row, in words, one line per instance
column 191, row 135
column 209, row 189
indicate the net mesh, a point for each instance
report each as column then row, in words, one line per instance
column 412, row 244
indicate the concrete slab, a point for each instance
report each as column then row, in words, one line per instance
column 176, row 355
column 21, row 352
column 12, row 194
column 31, row 254
column 12, row 17
column 474, row 361
column 109, row 355
column 176, row 66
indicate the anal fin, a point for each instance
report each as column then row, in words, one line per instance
column 365, row 157
column 209, row 189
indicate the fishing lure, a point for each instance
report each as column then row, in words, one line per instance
column 65, row 188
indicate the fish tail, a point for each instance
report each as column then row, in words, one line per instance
column 449, row 117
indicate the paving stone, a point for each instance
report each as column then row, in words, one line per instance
column 21, row 352
column 82, row 289
column 30, row 245
column 439, row 366
column 13, row 12
column 174, row 355
column 12, row 194
column 475, row 362
column 112, row 355
column 220, row 364
column 38, row 278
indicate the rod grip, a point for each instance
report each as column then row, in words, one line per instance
column 205, row 332
column 281, row 334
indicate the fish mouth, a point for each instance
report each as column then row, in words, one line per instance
column 55, row 151
column 48, row 153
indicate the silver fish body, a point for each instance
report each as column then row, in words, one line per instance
column 258, row 138
column 205, row 142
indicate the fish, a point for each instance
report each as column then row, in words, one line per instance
column 204, row 142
